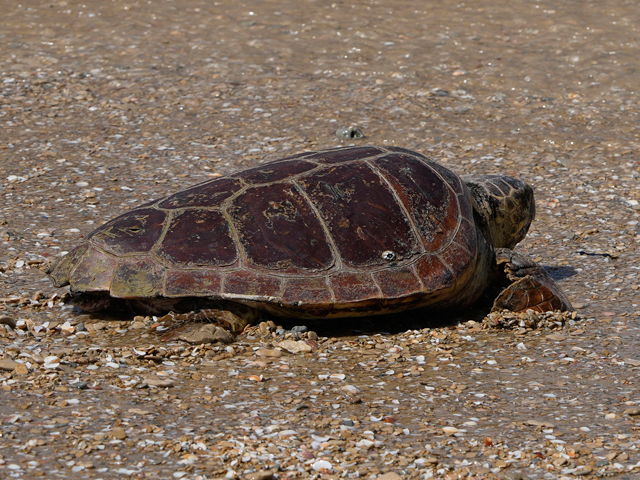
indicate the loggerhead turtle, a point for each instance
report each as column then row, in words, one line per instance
column 337, row 233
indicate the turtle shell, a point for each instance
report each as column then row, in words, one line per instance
column 348, row 231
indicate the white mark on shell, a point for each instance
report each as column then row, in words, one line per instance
column 389, row 256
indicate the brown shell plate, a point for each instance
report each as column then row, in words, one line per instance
column 345, row 231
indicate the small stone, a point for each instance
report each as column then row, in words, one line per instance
column 555, row 337
column 261, row 475
column 264, row 328
column 515, row 476
column 585, row 470
column 6, row 320
column 390, row 476
column 449, row 430
column 299, row 329
column 538, row 423
column 632, row 411
column 349, row 133
column 293, row 346
column 138, row 411
column 118, row 433
column 558, row 462
column 21, row 369
column 159, row 382
column 268, row 352
column 138, row 325
column 8, row 365
column 312, row 336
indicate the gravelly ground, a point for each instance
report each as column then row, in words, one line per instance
column 104, row 106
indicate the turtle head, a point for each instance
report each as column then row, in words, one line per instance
column 503, row 208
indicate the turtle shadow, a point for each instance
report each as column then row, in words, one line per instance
column 560, row 272
column 387, row 324
column 392, row 324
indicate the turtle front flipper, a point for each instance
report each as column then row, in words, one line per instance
column 531, row 288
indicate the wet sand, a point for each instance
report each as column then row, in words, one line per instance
column 105, row 106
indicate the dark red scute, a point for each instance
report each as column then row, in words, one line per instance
column 245, row 283
column 459, row 260
column 353, row 287
column 133, row 232
column 435, row 275
column 345, row 154
column 279, row 230
column 274, row 172
column 361, row 213
column 424, row 194
column 398, row 282
column 303, row 291
column 199, row 238
column 192, row 283
column 208, row 194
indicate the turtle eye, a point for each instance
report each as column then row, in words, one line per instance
column 389, row 256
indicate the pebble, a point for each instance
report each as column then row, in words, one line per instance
column 261, row 475
column 118, row 433
column 159, row 382
column 349, row 133
column 268, row 352
column 8, row 365
column 264, row 328
column 21, row 369
column 583, row 470
column 293, row 346
column 6, row 320
column 198, row 334
column 390, row 476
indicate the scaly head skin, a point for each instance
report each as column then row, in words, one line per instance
column 504, row 208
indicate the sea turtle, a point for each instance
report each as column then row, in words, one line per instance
column 338, row 233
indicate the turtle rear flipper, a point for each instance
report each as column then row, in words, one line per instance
column 209, row 325
column 532, row 287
